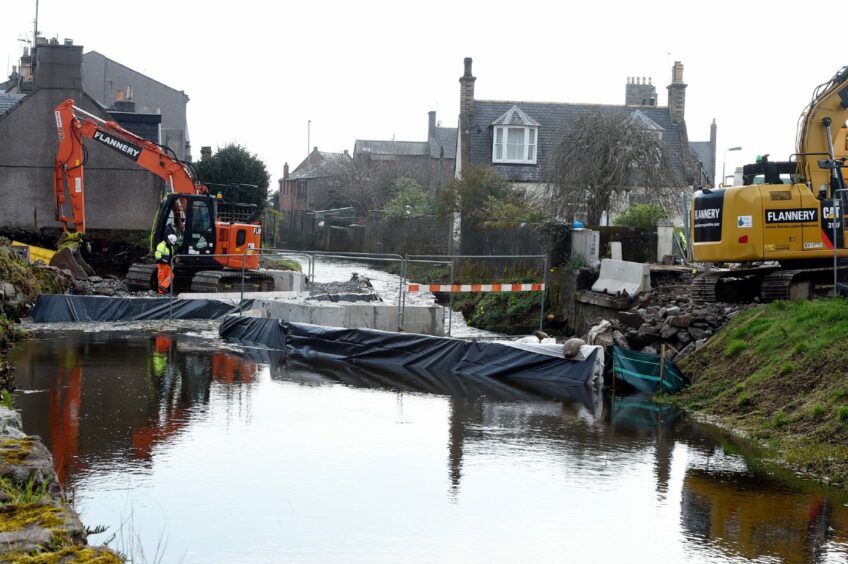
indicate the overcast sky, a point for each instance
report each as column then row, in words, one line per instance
column 256, row 71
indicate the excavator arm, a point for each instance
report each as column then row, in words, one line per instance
column 73, row 125
column 818, row 128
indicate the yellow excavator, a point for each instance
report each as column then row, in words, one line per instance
column 784, row 228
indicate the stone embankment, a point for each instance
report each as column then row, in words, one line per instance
column 37, row 523
column 663, row 316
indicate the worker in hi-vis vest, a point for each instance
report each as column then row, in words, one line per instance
column 163, row 253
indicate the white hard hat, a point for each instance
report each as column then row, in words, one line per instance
column 172, row 238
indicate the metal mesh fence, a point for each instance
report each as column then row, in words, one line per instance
column 503, row 294
column 478, row 296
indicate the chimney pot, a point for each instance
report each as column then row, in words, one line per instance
column 68, row 41
column 315, row 149
column 467, row 62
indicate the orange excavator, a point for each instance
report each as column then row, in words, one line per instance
column 216, row 241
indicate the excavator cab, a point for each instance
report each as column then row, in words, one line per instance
column 191, row 217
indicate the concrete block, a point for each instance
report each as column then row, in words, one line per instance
column 424, row 319
column 287, row 280
column 619, row 276
column 615, row 250
column 586, row 243
column 360, row 316
column 665, row 239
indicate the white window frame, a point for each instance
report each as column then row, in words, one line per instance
column 503, row 130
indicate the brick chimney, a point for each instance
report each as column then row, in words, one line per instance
column 205, row 153
column 431, row 126
column 58, row 66
column 677, row 94
column 466, row 109
column 285, row 171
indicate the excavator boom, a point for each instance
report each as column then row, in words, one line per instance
column 74, row 124
column 209, row 241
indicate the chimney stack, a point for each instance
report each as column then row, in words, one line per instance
column 466, row 111
column 205, row 153
column 58, row 66
column 431, row 126
column 285, row 171
column 677, row 94
column 639, row 92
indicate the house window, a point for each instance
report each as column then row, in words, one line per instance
column 515, row 145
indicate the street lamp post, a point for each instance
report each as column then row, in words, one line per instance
column 724, row 162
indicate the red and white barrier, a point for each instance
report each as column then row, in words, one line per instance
column 475, row 288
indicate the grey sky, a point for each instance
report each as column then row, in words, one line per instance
column 257, row 71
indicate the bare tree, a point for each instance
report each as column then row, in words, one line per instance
column 607, row 160
column 369, row 184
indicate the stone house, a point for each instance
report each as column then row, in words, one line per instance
column 315, row 184
column 517, row 138
column 120, row 195
column 430, row 162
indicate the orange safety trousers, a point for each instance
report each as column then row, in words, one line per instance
column 166, row 276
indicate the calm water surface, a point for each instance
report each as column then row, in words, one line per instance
column 197, row 451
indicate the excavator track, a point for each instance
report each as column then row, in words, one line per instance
column 216, row 281
column 703, row 287
column 803, row 283
column 140, row 277
column 740, row 285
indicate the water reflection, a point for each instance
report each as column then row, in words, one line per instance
column 117, row 396
column 460, row 462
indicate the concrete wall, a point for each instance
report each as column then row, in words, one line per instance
column 426, row 320
column 120, row 195
column 102, row 78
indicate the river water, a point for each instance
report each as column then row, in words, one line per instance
column 191, row 450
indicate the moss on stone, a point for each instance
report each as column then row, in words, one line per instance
column 14, row 517
column 15, row 451
column 72, row 553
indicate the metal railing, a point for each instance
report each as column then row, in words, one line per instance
column 370, row 277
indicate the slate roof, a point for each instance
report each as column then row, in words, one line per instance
column 397, row 148
column 329, row 164
column 514, row 116
column 641, row 120
column 9, row 101
column 554, row 119
column 445, row 138
column 703, row 151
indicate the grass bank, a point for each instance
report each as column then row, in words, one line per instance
column 779, row 374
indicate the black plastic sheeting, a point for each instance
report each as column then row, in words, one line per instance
column 440, row 365
column 53, row 308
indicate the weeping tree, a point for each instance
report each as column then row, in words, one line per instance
column 607, row 160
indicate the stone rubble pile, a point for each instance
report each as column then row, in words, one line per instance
column 97, row 286
column 663, row 316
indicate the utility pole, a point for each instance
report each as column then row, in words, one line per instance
column 34, row 41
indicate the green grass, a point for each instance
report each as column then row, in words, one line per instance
column 779, row 373
column 735, row 346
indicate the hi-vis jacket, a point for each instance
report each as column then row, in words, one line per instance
column 163, row 252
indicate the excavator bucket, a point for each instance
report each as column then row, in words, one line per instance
column 73, row 262
column 69, row 257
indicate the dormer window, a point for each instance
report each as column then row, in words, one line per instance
column 515, row 138
column 515, row 145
